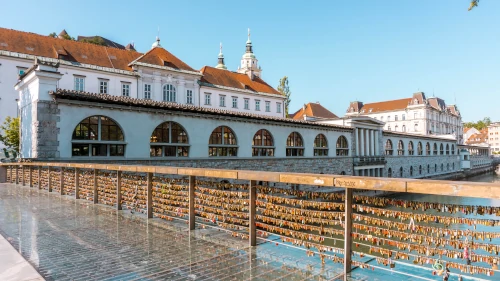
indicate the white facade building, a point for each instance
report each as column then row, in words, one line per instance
column 157, row 75
column 494, row 137
column 416, row 115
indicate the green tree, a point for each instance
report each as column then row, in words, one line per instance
column 53, row 34
column 95, row 40
column 480, row 125
column 284, row 89
column 9, row 133
column 473, row 4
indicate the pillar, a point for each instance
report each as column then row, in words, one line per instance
column 362, row 142
column 30, row 172
column 149, row 190
column 96, row 193
column 61, row 180
column 252, row 197
column 119, row 190
column 372, row 143
column 11, row 173
column 49, row 179
column 77, row 183
column 377, row 153
column 192, row 214
column 357, row 141
column 39, row 177
column 347, row 234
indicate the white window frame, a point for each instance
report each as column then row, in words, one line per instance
column 126, row 89
column 103, row 86
column 79, row 83
column 247, row 104
column 235, row 102
column 208, row 99
column 222, row 101
column 278, row 107
column 268, row 106
column 169, row 93
column 189, row 96
column 147, row 91
column 257, row 105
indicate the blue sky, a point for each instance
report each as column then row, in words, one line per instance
column 333, row 51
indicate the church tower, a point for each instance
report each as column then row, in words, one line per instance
column 220, row 63
column 249, row 63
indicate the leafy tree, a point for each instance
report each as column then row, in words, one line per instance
column 481, row 124
column 9, row 133
column 284, row 89
column 67, row 37
column 95, row 40
column 473, row 3
column 53, row 34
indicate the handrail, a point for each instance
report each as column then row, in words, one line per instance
column 422, row 186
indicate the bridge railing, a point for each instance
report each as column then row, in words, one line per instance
column 119, row 185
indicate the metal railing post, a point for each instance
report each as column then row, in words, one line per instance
column 61, row 181
column 192, row 214
column 77, row 183
column 252, row 196
column 49, row 179
column 96, row 194
column 348, row 232
column 119, row 190
column 150, row 195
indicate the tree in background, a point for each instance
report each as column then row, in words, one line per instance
column 473, row 4
column 284, row 89
column 95, row 40
column 9, row 133
column 481, row 124
column 53, row 34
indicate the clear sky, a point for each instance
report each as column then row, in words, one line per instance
column 333, row 51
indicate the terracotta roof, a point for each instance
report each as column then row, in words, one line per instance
column 133, row 102
column 478, row 138
column 466, row 129
column 437, row 103
column 161, row 57
column 385, row 106
column 226, row 78
column 312, row 110
column 45, row 46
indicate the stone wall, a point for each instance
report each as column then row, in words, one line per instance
column 396, row 162
column 46, row 131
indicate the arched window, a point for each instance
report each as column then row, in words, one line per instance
column 428, row 169
column 403, row 128
column 320, row 146
column 388, row 147
column 401, row 172
column 169, row 93
column 222, row 142
column 410, row 148
column 420, row 169
column 435, row 149
column 91, row 133
column 401, row 148
column 411, row 171
column 447, row 149
column 441, row 149
column 389, row 173
column 453, row 149
column 262, row 143
column 428, row 149
column 388, row 126
column 342, row 146
column 169, row 139
column 396, row 128
column 294, row 145
column 420, row 150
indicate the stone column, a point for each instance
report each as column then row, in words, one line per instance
column 372, row 142
column 362, row 142
column 150, row 195
column 119, row 190
column 77, row 183
column 192, row 214
column 347, row 234
column 252, row 197
column 356, row 139
column 96, row 192
column 377, row 153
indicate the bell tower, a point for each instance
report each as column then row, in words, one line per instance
column 249, row 63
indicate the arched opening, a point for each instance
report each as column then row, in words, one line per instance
column 320, row 145
column 442, row 167
column 428, row 149
column 420, row 169
column 453, row 149
column 420, row 150
column 169, row 93
column 98, row 136
column 342, row 147
column 447, row 166
column 453, row 166
column 222, row 142
column 294, row 145
column 411, row 171
column 342, row 173
column 428, row 169
column 447, row 149
column 435, row 149
column 441, row 149
column 262, row 144
column 435, row 168
column 401, row 172
column 388, row 147
column 401, row 148
column 389, row 173
column 410, row 148
column 169, row 139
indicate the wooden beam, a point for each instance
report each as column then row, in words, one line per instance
column 23, row 181
column 192, row 214
column 31, row 176
column 118, row 190
column 49, row 178
column 150, row 195
column 39, row 177
column 77, row 183
column 17, row 174
column 96, row 193
column 348, row 232
column 252, row 197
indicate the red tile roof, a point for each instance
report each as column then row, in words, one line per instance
column 162, row 57
column 312, row 110
column 236, row 80
column 45, row 46
column 478, row 138
column 385, row 105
